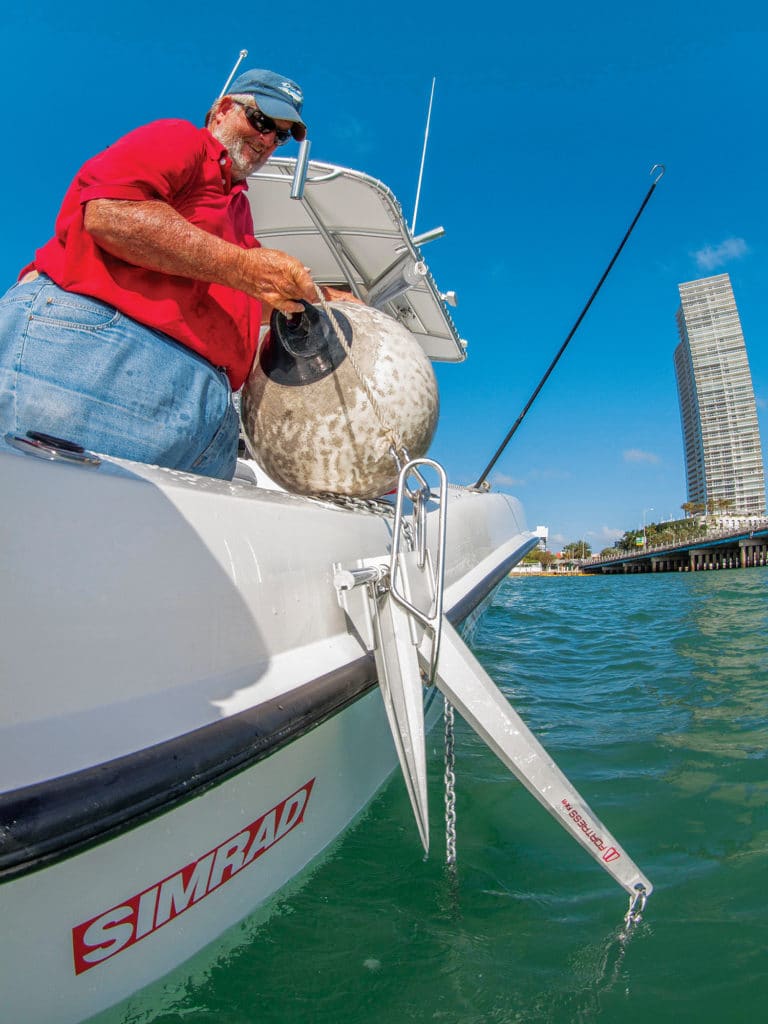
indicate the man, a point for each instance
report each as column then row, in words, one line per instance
column 137, row 320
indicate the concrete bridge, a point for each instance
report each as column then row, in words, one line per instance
column 739, row 549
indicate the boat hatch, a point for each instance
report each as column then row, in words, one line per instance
column 348, row 228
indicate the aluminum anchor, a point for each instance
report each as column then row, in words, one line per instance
column 403, row 609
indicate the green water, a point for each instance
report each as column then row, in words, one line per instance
column 652, row 694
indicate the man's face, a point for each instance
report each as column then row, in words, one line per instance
column 248, row 148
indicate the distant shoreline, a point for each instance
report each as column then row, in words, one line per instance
column 535, row 575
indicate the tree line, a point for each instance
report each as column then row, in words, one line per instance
column 676, row 531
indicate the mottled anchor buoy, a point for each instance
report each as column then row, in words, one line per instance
column 306, row 415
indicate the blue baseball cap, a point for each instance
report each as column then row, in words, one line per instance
column 276, row 96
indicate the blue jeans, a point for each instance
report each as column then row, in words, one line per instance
column 77, row 368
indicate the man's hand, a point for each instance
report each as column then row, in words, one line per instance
column 276, row 278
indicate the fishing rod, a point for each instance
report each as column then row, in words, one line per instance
column 656, row 167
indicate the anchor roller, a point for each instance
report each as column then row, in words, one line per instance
column 307, row 411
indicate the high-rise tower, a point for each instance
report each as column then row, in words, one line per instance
column 723, row 457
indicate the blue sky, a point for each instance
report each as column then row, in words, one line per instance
column 546, row 123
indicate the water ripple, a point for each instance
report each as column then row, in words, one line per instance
column 651, row 692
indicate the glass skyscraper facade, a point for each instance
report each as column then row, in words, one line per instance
column 723, row 456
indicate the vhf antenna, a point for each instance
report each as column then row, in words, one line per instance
column 423, row 158
column 233, row 72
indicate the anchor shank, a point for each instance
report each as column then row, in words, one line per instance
column 473, row 693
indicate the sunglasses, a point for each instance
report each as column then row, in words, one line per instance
column 265, row 125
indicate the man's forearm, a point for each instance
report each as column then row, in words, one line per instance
column 153, row 235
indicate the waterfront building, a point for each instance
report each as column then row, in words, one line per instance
column 721, row 437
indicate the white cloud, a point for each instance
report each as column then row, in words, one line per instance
column 533, row 477
column 636, row 455
column 504, row 480
column 605, row 535
column 711, row 256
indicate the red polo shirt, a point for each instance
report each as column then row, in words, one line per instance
column 187, row 168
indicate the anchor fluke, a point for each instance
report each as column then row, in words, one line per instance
column 386, row 628
column 403, row 695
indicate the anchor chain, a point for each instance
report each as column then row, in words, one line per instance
column 634, row 914
column 450, row 787
column 616, row 948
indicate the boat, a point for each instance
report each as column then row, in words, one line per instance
column 205, row 682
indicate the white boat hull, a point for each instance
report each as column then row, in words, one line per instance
column 345, row 761
column 188, row 718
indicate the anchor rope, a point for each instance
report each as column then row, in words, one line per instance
column 393, row 436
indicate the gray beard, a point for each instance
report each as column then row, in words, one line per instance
column 242, row 165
